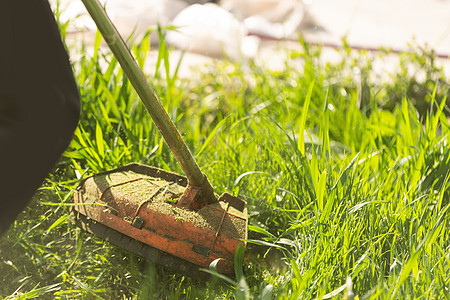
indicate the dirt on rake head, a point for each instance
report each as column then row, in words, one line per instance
column 140, row 202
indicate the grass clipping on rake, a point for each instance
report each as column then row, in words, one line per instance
column 160, row 195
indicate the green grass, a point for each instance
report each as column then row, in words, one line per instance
column 347, row 181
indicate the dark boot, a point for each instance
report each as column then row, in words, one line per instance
column 39, row 102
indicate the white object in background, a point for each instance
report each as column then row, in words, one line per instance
column 273, row 18
column 137, row 16
column 210, row 30
column 129, row 16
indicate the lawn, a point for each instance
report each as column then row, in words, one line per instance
column 346, row 176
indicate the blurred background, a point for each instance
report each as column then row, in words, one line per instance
column 257, row 29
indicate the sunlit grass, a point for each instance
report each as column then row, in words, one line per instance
column 347, row 185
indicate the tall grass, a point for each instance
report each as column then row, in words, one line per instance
column 346, row 179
